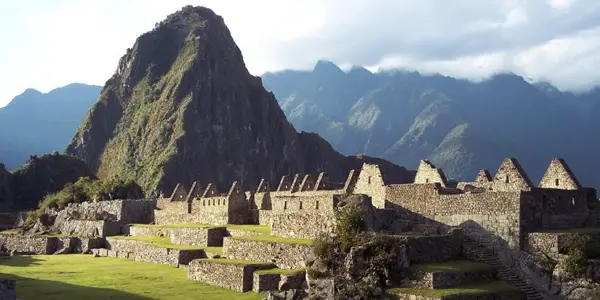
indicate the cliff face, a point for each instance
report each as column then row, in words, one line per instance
column 6, row 196
column 182, row 107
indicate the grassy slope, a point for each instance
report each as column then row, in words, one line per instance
column 85, row 277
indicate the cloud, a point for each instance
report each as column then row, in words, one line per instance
column 53, row 43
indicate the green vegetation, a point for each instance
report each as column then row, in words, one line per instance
column 378, row 255
column 59, row 277
column 467, row 289
column 87, row 189
column 240, row 262
column 262, row 229
column 43, row 175
column 274, row 239
column 451, row 266
column 164, row 242
column 279, row 271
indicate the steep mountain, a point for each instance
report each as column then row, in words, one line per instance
column 35, row 123
column 182, row 107
column 459, row 125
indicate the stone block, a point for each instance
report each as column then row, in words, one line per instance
column 144, row 251
column 286, row 254
column 225, row 273
column 141, row 230
column 198, row 236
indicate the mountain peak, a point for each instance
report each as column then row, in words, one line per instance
column 327, row 67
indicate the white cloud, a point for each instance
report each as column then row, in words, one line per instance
column 47, row 44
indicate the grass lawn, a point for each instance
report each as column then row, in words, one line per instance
column 85, row 277
column 451, row 266
column 226, row 261
column 279, row 271
column 263, row 229
column 467, row 289
column 274, row 239
column 165, row 242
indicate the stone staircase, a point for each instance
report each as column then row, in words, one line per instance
column 478, row 252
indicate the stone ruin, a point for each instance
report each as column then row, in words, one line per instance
column 499, row 221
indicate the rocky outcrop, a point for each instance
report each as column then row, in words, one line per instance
column 6, row 193
column 183, row 107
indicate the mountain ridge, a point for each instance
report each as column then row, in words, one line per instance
column 462, row 126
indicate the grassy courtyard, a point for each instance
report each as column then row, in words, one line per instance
column 85, row 277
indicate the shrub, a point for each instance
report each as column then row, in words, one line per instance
column 86, row 189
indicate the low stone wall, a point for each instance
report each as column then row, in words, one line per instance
column 148, row 231
column 231, row 276
column 440, row 280
column 162, row 217
column 284, row 255
column 265, row 217
column 48, row 244
column 516, row 295
column 239, row 232
column 302, row 225
column 433, row 248
column 143, row 251
column 8, row 289
column 198, row 236
column 88, row 228
column 266, row 282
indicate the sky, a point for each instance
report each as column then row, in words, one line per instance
column 49, row 44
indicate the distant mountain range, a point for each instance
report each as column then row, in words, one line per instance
column 461, row 126
column 35, row 123
column 402, row 116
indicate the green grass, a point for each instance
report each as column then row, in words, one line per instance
column 467, row 289
column 226, row 261
column 165, row 242
column 279, row 271
column 451, row 266
column 274, row 239
column 60, row 277
column 263, row 229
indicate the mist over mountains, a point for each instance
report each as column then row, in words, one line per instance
column 460, row 125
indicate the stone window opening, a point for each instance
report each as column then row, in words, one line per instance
column 285, row 205
column 317, row 205
column 203, row 202
column 218, row 201
column 213, row 202
column 300, row 206
column 506, row 179
column 573, row 201
column 556, row 181
column 426, row 180
column 369, row 180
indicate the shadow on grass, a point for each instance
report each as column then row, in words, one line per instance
column 29, row 288
column 18, row 261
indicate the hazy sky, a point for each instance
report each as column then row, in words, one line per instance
column 48, row 44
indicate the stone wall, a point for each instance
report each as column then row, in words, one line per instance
column 559, row 176
column 513, row 295
column 142, row 251
column 277, row 282
column 428, row 173
column 88, row 228
column 433, row 248
column 265, row 217
column 231, row 276
column 137, row 211
column 284, row 255
column 553, row 209
column 48, row 244
column 370, row 182
column 439, row 280
column 148, row 231
column 498, row 212
column 302, row 225
column 162, row 217
column 8, row 289
column 123, row 211
column 307, row 201
column 198, row 236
